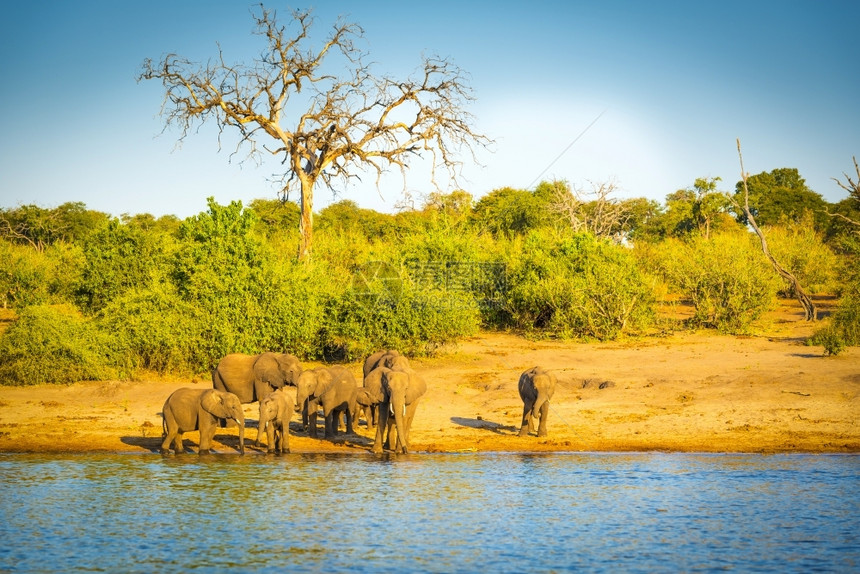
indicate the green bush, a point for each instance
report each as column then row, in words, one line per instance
column 383, row 308
column 726, row 277
column 54, row 344
column 576, row 286
column 801, row 250
column 156, row 330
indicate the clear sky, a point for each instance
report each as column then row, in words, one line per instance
column 676, row 84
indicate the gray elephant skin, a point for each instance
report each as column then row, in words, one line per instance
column 252, row 377
column 536, row 387
column 401, row 388
column 380, row 359
column 332, row 389
column 187, row 410
column 372, row 395
column 276, row 410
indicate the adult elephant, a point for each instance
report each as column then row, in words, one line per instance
column 536, row 387
column 380, row 359
column 252, row 377
column 401, row 390
column 373, row 394
column 187, row 410
column 333, row 389
column 276, row 410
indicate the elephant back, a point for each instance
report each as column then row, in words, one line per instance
column 235, row 374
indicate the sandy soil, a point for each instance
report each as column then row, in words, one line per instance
column 699, row 392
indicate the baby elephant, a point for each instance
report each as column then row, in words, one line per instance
column 536, row 387
column 189, row 410
column 275, row 413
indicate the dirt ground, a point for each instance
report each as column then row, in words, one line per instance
column 685, row 391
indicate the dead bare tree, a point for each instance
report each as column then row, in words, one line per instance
column 594, row 211
column 351, row 122
column 853, row 189
column 805, row 300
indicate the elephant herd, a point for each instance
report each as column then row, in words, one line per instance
column 388, row 398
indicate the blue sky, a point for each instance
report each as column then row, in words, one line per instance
column 676, row 84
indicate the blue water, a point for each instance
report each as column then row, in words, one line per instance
column 430, row 513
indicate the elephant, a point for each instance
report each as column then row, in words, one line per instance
column 276, row 410
column 252, row 377
column 401, row 390
column 536, row 387
column 363, row 402
column 190, row 409
column 333, row 389
column 380, row 359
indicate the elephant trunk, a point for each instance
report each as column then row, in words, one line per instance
column 240, row 420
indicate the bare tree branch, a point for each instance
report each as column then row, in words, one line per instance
column 805, row 300
column 353, row 121
column 594, row 212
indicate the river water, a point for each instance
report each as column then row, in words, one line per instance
column 644, row 512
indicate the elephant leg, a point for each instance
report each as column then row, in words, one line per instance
column 206, row 436
column 312, row 424
column 381, row 427
column 544, row 413
column 349, row 421
column 165, row 444
column 178, row 447
column 525, row 427
column 331, row 423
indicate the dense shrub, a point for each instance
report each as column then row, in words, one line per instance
column 801, row 250
column 576, row 286
column 727, row 278
column 119, row 257
column 383, row 308
column 54, row 344
column 31, row 277
column 155, row 329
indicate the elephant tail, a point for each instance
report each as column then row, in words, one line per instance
column 163, row 425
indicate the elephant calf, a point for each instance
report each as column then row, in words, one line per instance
column 275, row 412
column 189, row 410
column 536, row 387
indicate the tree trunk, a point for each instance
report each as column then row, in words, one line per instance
column 809, row 310
column 306, row 222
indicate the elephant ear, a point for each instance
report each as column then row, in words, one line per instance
column 416, row 388
column 324, row 381
column 212, row 402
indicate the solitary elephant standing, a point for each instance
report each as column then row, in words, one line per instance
column 189, row 410
column 536, row 387
column 276, row 410
column 252, row 377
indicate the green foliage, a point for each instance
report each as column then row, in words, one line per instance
column 505, row 212
column 119, row 257
column 844, row 327
column 155, row 329
column 726, row 277
column 31, row 277
column 800, row 249
column 576, row 286
column 385, row 309
column 54, row 344
column 39, row 227
column 780, row 194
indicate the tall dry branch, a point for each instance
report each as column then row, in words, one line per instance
column 805, row 300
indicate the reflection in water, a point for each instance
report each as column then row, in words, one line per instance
column 439, row 513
